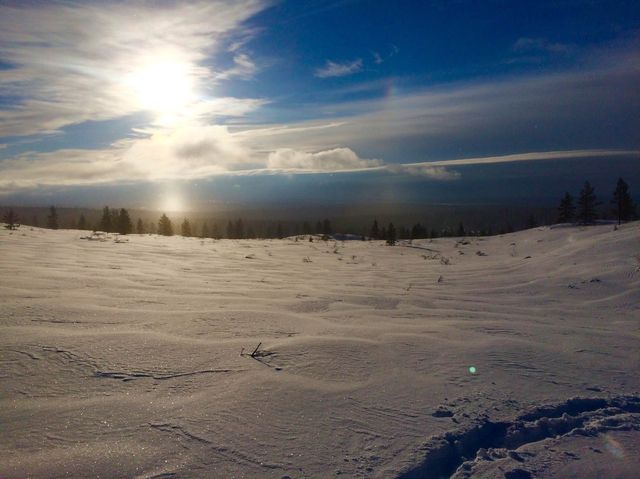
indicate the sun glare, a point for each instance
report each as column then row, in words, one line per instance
column 163, row 86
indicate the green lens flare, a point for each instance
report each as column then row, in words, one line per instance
column 472, row 369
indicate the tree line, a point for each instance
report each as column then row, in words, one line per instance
column 584, row 210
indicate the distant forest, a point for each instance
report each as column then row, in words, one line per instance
column 407, row 221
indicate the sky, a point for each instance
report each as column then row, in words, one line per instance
column 183, row 105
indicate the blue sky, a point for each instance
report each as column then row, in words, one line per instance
column 229, row 101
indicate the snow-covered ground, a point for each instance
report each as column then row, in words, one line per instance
column 123, row 359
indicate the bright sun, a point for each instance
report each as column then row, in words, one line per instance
column 163, row 85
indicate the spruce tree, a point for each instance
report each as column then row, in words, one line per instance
column 461, row 231
column 185, row 229
column 164, row 226
column 11, row 219
column 375, row 231
column 82, row 223
column 391, row 235
column 230, row 230
column 115, row 218
column 587, row 203
column 239, row 230
column 566, row 210
column 326, row 227
column 204, row 232
column 215, row 234
column 140, row 227
column 124, row 225
column 418, row 231
column 105, row 222
column 52, row 219
column 622, row 203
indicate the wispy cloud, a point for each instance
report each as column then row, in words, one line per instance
column 528, row 45
column 379, row 58
column 532, row 156
column 243, row 68
column 334, row 69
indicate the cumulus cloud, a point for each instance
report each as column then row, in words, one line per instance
column 71, row 62
column 334, row 69
column 337, row 159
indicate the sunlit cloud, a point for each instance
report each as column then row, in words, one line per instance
column 337, row 159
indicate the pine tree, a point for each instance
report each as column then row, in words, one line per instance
column 566, row 210
column 587, row 204
column 418, row 231
column 140, row 227
column 622, row 202
column 391, row 235
column 204, row 232
column 239, row 229
column 230, row 230
column 11, row 219
column 375, row 231
column 105, row 222
column 52, row 219
column 185, row 229
column 326, row 227
column 124, row 225
column 279, row 231
column 164, row 226
column 215, row 234
column 82, row 223
column 461, row 231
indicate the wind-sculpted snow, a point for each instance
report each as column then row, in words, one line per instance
column 512, row 356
